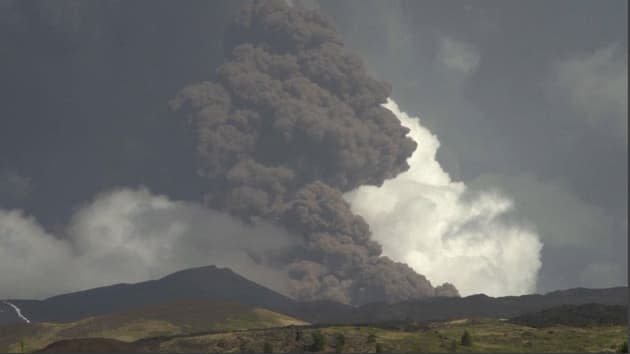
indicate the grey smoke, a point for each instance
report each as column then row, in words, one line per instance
column 541, row 117
column 438, row 227
column 289, row 123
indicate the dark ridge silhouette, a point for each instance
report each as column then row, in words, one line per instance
column 576, row 316
column 480, row 305
column 221, row 284
column 210, row 282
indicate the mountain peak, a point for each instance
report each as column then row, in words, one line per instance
column 202, row 271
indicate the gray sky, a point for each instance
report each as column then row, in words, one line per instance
column 525, row 96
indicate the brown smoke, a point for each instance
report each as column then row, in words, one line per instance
column 290, row 122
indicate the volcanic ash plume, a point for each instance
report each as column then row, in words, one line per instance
column 424, row 219
column 289, row 123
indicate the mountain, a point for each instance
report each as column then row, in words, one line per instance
column 480, row 306
column 210, row 283
column 576, row 316
column 222, row 284
column 203, row 283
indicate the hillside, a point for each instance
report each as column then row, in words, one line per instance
column 488, row 336
column 222, row 284
column 211, row 283
column 479, row 306
column 575, row 315
column 149, row 321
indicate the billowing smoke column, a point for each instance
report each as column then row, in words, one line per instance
column 426, row 220
column 290, row 123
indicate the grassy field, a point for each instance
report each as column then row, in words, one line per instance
column 41, row 334
column 149, row 322
column 251, row 330
column 487, row 336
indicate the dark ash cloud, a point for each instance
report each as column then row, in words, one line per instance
column 551, row 108
column 290, row 122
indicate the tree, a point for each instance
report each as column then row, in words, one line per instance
column 318, row 341
column 466, row 339
column 340, row 342
column 267, row 348
column 453, row 346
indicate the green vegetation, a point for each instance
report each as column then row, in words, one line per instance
column 298, row 335
column 488, row 335
column 340, row 341
column 257, row 318
column 134, row 326
column 466, row 339
column 453, row 346
column 623, row 348
column 319, row 341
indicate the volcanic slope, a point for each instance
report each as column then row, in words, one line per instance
column 488, row 335
column 221, row 284
column 150, row 321
column 202, row 283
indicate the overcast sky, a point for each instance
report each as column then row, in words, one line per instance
column 528, row 97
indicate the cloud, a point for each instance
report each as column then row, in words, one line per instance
column 581, row 239
column 457, row 56
column 33, row 262
column 595, row 85
column 131, row 235
column 292, row 121
column 489, row 125
column 433, row 224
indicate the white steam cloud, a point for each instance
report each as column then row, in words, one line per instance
column 420, row 217
column 128, row 236
column 426, row 220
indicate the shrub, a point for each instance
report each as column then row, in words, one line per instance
column 318, row 341
column 379, row 348
column 267, row 348
column 466, row 339
column 453, row 346
column 340, row 341
column 371, row 338
column 623, row 348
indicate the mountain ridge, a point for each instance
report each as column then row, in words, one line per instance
column 223, row 284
